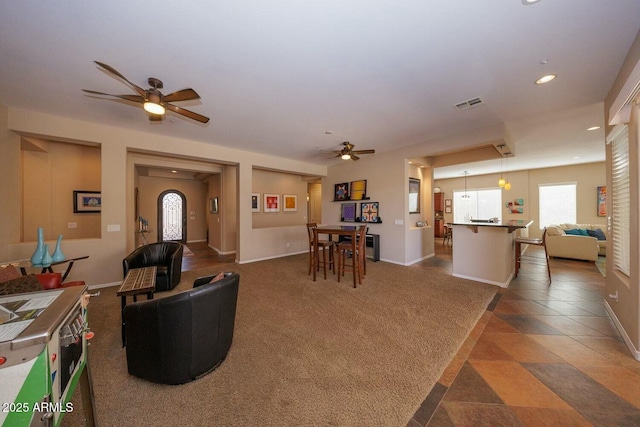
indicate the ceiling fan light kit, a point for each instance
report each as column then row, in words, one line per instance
column 154, row 108
column 152, row 100
column 349, row 153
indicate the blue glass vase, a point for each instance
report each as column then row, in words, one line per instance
column 36, row 258
column 46, row 258
column 57, row 253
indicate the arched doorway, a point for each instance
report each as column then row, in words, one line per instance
column 172, row 216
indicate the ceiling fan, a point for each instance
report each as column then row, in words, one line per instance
column 349, row 153
column 153, row 101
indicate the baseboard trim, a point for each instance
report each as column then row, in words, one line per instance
column 634, row 351
column 271, row 257
column 490, row 282
column 415, row 261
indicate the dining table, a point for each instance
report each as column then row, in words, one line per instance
column 334, row 230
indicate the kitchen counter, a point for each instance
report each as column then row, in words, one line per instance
column 485, row 251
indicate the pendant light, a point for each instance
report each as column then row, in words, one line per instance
column 501, row 181
column 507, row 184
column 465, row 196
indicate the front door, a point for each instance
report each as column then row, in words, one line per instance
column 172, row 216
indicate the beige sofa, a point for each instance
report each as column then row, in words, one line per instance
column 563, row 245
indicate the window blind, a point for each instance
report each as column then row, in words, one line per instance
column 620, row 199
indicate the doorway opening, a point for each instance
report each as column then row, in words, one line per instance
column 172, row 216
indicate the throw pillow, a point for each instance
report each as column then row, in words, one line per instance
column 20, row 285
column 9, row 272
column 573, row 231
column 597, row 233
column 553, row 230
column 218, row 277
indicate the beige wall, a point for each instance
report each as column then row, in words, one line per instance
column 270, row 182
column 117, row 176
column 195, row 192
column 229, row 210
column 524, row 185
column 215, row 219
column 50, row 175
column 626, row 307
column 387, row 178
column 10, row 186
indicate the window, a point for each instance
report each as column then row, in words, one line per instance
column 478, row 204
column 557, row 204
column 620, row 214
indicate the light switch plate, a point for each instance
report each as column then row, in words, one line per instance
column 113, row 227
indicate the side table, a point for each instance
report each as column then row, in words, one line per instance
column 138, row 281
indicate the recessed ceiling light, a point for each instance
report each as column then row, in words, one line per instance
column 174, row 171
column 576, row 157
column 528, row 2
column 594, row 128
column 545, row 79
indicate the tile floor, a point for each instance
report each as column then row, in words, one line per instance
column 541, row 355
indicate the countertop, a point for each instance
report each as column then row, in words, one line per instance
column 511, row 224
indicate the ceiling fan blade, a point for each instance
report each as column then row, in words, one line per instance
column 354, row 157
column 134, row 98
column 181, row 95
column 117, row 73
column 364, row 151
column 186, row 113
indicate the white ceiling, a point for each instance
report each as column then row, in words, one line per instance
column 276, row 76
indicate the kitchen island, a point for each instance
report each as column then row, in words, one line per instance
column 485, row 251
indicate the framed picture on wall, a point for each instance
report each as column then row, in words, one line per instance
column 447, row 209
column 348, row 212
column 255, row 202
column 87, row 201
column 290, row 202
column 341, row 191
column 414, row 195
column 213, row 205
column 601, row 200
column 370, row 212
column 271, row 202
column 358, row 190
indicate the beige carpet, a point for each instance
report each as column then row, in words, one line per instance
column 304, row 353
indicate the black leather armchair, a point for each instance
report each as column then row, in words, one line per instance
column 181, row 337
column 167, row 256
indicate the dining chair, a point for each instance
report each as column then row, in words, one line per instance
column 325, row 245
column 358, row 259
column 534, row 259
column 448, row 235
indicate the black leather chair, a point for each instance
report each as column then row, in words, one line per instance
column 179, row 338
column 167, row 256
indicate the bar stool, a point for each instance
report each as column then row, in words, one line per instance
column 535, row 241
column 448, row 235
column 325, row 245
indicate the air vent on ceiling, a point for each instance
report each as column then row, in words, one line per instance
column 469, row 103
